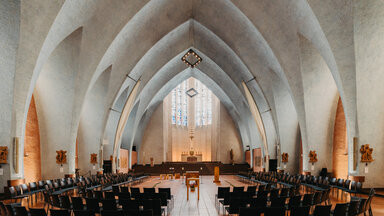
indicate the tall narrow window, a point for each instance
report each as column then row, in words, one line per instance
column 180, row 104
column 203, row 105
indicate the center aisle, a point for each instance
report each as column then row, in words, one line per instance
column 205, row 206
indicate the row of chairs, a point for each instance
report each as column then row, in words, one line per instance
column 264, row 199
column 341, row 209
column 22, row 211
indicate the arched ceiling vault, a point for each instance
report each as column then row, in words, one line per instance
column 139, row 38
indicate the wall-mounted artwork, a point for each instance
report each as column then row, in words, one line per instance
column 366, row 153
column 61, row 157
column 93, row 159
column 3, row 154
column 284, row 157
column 312, row 156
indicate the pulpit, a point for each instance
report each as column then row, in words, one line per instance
column 191, row 174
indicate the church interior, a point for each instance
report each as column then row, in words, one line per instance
column 198, row 107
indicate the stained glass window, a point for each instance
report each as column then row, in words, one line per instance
column 180, row 104
column 203, row 105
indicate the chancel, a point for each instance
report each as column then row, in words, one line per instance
column 198, row 107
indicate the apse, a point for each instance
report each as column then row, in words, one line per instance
column 194, row 126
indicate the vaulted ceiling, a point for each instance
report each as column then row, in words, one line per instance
column 262, row 43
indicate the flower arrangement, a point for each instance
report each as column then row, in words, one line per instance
column 192, row 186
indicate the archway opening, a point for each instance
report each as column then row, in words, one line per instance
column 195, row 126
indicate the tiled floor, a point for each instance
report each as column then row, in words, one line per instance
column 206, row 205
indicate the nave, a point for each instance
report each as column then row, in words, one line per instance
column 206, row 205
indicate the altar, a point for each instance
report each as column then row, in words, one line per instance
column 187, row 157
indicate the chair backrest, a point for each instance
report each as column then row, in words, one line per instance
column 89, row 194
column 235, row 204
column 321, row 210
column 20, row 211
column 250, row 211
column 149, row 190
column 362, row 204
column 98, row 194
column 274, row 193
column 109, row 204
column 340, row 182
column 65, row 202
column 278, row 201
column 307, row 199
column 109, row 195
column 220, row 191
column 347, row 184
column 147, row 212
column 259, row 202
column 59, row 212
column 251, row 189
column 41, row 184
column 77, row 203
column 130, row 205
column 124, row 189
column 284, row 192
column 300, row 211
column 317, row 198
column 359, row 186
column 83, row 213
column 279, row 211
column 135, row 190
column 340, row 209
column 262, row 194
column 370, row 197
column 115, row 189
column 153, row 204
column 238, row 189
column 294, row 201
column 55, row 200
column 12, row 191
column 134, row 212
column 32, row 186
column 37, row 212
column 168, row 192
column 3, row 211
column 92, row 204
column 353, row 208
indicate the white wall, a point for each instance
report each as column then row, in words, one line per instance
column 54, row 95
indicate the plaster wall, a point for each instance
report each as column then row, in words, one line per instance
column 369, row 34
column 152, row 145
column 320, row 98
column 91, row 123
column 54, row 95
column 9, row 37
column 288, row 127
column 229, row 139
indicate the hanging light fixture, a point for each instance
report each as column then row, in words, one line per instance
column 191, row 59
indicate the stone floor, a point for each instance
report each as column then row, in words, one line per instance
column 206, row 205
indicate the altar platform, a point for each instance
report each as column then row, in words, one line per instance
column 205, row 168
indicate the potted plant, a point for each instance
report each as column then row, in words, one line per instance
column 192, row 186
